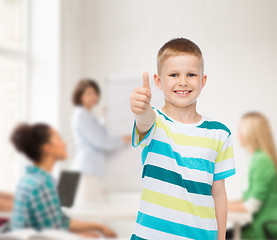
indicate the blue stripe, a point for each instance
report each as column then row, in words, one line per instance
column 175, row 228
column 135, row 237
column 222, row 175
column 214, row 125
column 176, row 179
column 165, row 149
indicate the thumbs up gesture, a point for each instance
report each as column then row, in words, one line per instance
column 141, row 96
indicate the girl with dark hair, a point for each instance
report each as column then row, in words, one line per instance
column 36, row 203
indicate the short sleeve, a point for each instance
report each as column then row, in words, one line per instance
column 224, row 163
column 263, row 175
column 147, row 138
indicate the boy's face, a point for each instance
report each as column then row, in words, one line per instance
column 181, row 79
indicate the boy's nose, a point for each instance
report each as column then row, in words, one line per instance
column 183, row 81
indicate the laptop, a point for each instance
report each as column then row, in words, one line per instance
column 67, row 187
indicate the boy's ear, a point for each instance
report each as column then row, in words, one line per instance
column 204, row 80
column 157, row 81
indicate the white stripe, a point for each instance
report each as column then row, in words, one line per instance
column 177, row 216
column 225, row 165
column 177, row 192
column 149, row 233
column 228, row 143
column 171, row 164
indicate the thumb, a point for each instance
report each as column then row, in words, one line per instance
column 145, row 77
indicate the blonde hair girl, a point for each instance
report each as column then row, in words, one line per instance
column 255, row 133
column 260, row 198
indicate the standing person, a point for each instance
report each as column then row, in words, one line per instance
column 93, row 142
column 186, row 156
column 260, row 197
column 36, row 203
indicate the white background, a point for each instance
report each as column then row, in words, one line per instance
column 71, row 39
column 238, row 40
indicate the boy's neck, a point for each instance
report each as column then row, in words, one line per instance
column 186, row 114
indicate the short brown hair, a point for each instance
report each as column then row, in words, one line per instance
column 176, row 47
column 81, row 87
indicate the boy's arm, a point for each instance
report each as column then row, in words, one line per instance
column 140, row 106
column 220, row 199
column 145, row 121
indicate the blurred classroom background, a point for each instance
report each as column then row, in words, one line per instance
column 47, row 46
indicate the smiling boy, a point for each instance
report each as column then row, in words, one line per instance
column 185, row 156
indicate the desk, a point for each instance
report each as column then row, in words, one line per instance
column 124, row 207
column 5, row 214
column 117, row 212
column 104, row 212
column 237, row 220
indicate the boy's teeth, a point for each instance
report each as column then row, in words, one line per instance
column 182, row 92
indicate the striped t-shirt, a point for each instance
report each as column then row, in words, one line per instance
column 180, row 162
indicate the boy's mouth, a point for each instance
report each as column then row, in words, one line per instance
column 183, row 92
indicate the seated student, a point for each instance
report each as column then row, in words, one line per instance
column 260, row 196
column 36, row 202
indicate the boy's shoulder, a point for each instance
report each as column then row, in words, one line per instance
column 212, row 124
column 207, row 123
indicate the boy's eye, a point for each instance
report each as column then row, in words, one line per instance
column 173, row 75
column 191, row 75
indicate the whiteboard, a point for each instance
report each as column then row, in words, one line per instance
column 124, row 167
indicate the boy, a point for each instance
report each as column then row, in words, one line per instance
column 185, row 156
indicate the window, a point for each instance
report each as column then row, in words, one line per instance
column 13, row 72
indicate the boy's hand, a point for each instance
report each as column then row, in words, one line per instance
column 140, row 106
column 141, row 96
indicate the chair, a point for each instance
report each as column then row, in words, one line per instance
column 5, row 227
column 67, row 187
column 268, row 231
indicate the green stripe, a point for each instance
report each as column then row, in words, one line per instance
column 225, row 154
column 214, row 125
column 176, row 179
column 186, row 140
column 177, row 204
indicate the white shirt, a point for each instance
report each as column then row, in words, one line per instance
column 93, row 143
